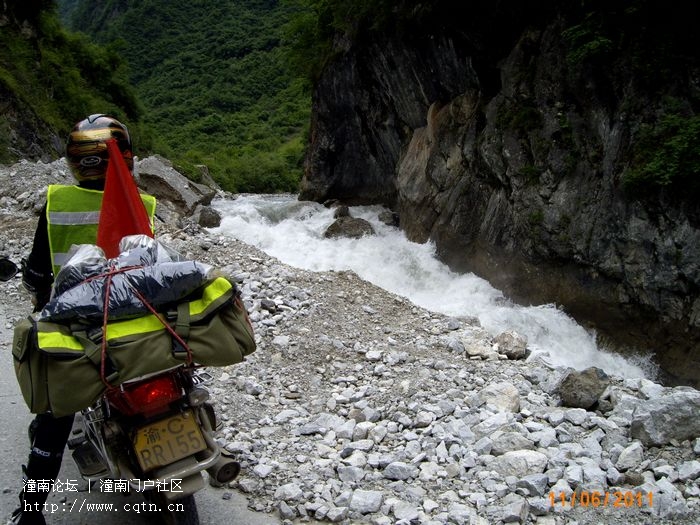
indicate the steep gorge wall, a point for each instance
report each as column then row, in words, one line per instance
column 518, row 177
column 23, row 134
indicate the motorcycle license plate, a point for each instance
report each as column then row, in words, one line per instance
column 168, row 440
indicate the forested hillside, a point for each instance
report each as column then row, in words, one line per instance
column 50, row 78
column 214, row 82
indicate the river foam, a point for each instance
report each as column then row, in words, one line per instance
column 292, row 231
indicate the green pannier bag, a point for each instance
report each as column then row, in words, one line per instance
column 61, row 368
column 30, row 366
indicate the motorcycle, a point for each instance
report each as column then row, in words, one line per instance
column 154, row 433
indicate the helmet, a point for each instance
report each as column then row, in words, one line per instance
column 86, row 150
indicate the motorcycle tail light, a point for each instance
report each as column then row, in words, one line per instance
column 147, row 397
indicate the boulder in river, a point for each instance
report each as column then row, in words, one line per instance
column 352, row 227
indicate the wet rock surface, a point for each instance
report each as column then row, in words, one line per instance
column 360, row 407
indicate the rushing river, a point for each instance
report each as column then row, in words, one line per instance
column 292, row 231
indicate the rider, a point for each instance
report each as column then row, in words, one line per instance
column 70, row 216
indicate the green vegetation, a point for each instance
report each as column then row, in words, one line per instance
column 522, row 116
column 536, row 218
column 531, row 174
column 215, row 83
column 61, row 76
column 657, row 46
column 585, row 42
column 5, row 157
column 667, row 155
column 226, row 84
column 654, row 40
column 315, row 23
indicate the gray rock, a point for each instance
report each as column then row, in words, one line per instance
column 460, row 514
column 363, row 444
column 263, row 470
column 556, row 417
column 483, row 446
column 460, row 430
column 289, row 492
column 400, row 471
column 351, row 474
column 405, row 512
column 423, row 419
column 509, row 441
column 157, row 177
column 582, row 389
column 540, row 506
column 534, row 484
column 207, row 179
column 389, row 218
column 559, row 488
column 670, row 417
column 343, row 499
column 206, row 216
column 573, row 475
column 352, row 227
column 515, row 509
column 614, row 476
column 341, row 211
column 630, row 457
column 286, row 512
column 594, row 478
column 668, row 503
column 519, row 463
column 503, row 396
column 366, row 501
column 689, row 470
column 545, row 438
column 286, row 415
column 346, row 430
column 512, row 345
column 337, row 514
column 321, row 512
column 577, row 416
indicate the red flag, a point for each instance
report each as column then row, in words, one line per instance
column 123, row 212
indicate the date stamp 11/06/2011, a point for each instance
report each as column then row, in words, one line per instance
column 595, row 499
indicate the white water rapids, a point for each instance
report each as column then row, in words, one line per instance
column 292, row 231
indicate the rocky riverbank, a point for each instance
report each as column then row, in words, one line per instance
column 359, row 407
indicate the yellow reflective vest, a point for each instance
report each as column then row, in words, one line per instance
column 73, row 214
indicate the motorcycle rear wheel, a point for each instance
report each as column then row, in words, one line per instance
column 182, row 511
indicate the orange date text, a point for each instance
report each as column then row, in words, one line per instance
column 617, row 500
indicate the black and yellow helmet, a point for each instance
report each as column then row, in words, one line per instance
column 86, row 151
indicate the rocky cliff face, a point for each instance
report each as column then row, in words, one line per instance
column 26, row 136
column 23, row 134
column 519, row 178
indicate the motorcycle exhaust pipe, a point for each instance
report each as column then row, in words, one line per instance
column 223, row 471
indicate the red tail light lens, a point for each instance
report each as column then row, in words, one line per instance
column 148, row 397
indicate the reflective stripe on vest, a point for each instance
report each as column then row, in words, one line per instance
column 73, row 215
column 213, row 293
